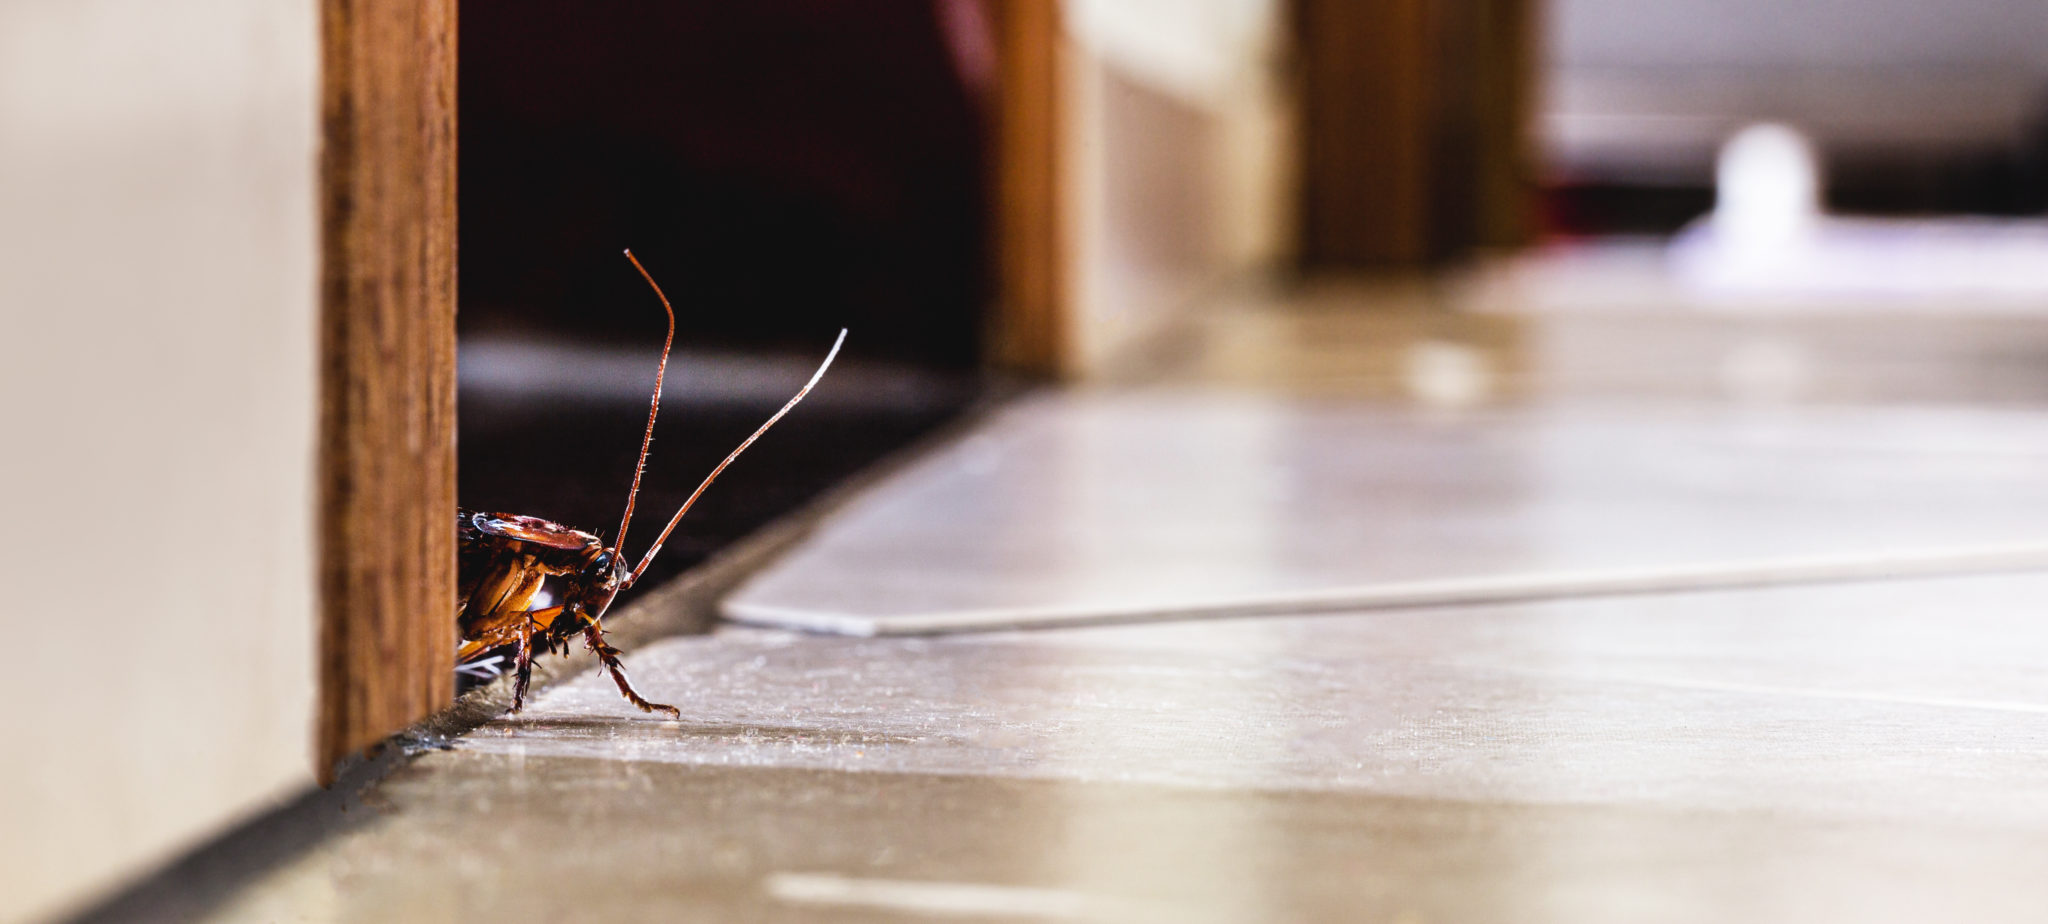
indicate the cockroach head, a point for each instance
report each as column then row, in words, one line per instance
column 600, row 579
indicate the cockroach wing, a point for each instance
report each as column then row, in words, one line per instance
column 532, row 529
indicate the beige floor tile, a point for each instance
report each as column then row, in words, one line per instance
column 1142, row 502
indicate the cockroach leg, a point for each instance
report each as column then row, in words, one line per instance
column 523, row 663
column 506, row 631
column 593, row 637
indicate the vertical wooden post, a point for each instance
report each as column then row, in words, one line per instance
column 1368, row 132
column 1031, row 330
column 1415, row 118
column 387, row 419
column 1507, row 43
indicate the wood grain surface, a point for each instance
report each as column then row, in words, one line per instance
column 387, row 426
column 1415, row 141
column 1031, row 329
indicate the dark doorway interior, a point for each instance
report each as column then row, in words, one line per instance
column 785, row 168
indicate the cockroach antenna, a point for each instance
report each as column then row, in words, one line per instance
column 749, row 441
column 653, row 406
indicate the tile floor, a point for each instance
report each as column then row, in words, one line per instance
column 1869, row 751
column 1165, row 501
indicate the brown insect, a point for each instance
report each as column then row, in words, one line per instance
column 505, row 558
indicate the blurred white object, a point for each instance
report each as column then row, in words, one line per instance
column 1768, row 240
column 1766, row 211
column 1766, row 194
column 1442, row 374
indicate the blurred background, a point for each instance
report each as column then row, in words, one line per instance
column 1450, row 203
column 988, row 191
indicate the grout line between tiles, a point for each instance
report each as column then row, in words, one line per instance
column 1516, row 588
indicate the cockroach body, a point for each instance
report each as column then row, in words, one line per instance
column 505, row 559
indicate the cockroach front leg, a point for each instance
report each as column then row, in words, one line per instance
column 523, row 664
column 593, row 638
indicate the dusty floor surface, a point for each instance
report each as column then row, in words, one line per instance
column 1867, row 753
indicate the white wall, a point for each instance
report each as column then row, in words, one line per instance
column 1178, row 146
column 1655, row 85
column 1888, row 35
column 157, row 305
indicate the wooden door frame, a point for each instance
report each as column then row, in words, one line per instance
column 386, row 443
column 1415, row 122
column 1033, row 325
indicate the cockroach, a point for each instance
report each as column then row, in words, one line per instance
column 505, row 558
